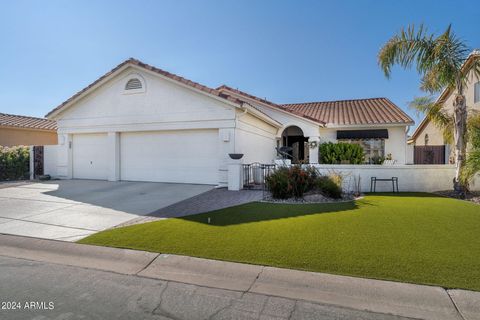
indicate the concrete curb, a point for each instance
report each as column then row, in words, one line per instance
column 402, row 299
column 72, row 254
column 388, row 297
column 203, row 272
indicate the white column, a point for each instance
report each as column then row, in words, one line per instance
column 69, row 146
column 226, row 145
column 235, row 175
column 313, row 152
column 113, row 151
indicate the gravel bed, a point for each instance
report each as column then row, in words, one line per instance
column 311, row 198
column 471, row 196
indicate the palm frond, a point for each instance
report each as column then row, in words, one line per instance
column 406, row 48
column 437, row 59
column 471, row 167
column 472, row 163
column 473, row 129
column 435, row 113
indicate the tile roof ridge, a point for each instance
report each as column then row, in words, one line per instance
column 332, row 101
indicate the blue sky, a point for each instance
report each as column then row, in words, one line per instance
column 285, row 51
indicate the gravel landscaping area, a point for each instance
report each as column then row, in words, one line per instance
column 310, row 198
column 471, row 196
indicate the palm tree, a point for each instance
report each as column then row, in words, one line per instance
column 440, row 62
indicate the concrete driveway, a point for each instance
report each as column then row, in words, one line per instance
column 72, row 209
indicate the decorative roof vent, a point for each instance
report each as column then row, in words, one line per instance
column 133, row 84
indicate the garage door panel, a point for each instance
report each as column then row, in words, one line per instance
column 89, row 156
column 187, row 156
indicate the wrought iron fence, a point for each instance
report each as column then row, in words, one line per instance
column 254, row 175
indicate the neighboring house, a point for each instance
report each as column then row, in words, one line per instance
column 18, row 130
column 427, row 140
column 140, row 123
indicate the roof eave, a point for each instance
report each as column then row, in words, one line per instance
column 262, row 116
column 27, row 128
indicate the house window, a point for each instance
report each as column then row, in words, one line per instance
column 426, row 139
column 133, row 84
column 476, row 90
column 374, row 149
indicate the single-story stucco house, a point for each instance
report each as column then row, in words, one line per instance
column 427, row 140
column 16, row 130
column 141, row 123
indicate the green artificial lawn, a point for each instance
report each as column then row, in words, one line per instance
column 411, row 237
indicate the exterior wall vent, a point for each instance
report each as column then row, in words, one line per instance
column 133, row 84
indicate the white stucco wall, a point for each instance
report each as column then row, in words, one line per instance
column 163, row 106
column 418, row 178
column 255, row 139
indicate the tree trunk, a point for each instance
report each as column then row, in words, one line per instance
column 460, row 118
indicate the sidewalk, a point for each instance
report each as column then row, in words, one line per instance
column 407, row 300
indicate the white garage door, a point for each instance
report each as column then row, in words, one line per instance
column 90, row 156
column 186, row 156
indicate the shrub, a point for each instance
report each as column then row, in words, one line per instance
column 335, row 153
column 331, row 185
column 294, row 181
column 278, row 183
column 298, row 181
column 14, row 163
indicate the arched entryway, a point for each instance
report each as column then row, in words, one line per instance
column 294, row 143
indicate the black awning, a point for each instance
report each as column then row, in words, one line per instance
column 363, row 134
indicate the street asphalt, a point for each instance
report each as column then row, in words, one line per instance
column 41, row 290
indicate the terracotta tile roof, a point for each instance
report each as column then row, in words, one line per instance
column 353, row 112
column 342, row 112
column 225, row 88
column 362, row 111
column 12, row 120
column 138, row 63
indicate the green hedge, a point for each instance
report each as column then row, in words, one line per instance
column 14, row 163
column 341, row 152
